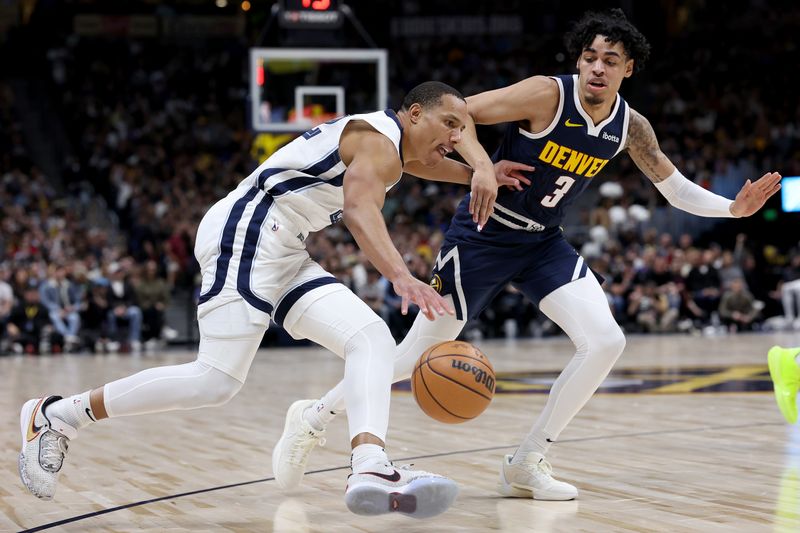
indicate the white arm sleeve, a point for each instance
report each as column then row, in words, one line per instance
column 692, row 198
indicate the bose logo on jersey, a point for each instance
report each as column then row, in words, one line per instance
column 571, row 160
column 609, row 137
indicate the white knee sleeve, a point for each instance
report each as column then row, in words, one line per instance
column 422, row 335
column 581, row 310
column 169, row 388
column 345, row 325
column 368, row 380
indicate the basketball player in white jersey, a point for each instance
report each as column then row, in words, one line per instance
column 250, row 246
column 567, row 128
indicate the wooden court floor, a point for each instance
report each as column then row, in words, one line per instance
column 684, row 436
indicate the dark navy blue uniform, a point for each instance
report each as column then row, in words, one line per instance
column 522, row 243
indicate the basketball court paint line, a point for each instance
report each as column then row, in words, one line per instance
column 101, row 512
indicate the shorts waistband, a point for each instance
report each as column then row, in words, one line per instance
column 513, row 220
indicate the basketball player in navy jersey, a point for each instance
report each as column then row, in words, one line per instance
column 567, row 128
column 250, row 246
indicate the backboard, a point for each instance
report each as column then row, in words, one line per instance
column 294, row 89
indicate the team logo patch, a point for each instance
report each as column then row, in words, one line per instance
column 436, row 283
column 275, row 225
column 336, row 217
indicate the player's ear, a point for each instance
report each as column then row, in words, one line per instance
column 415, row 112
column 628, row 68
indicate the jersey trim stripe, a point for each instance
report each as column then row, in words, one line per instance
column 304, row 182
column 291, row 298
column 251, row 240
column 591, row 128
column 226, row 244
column 624, row 137
column 392, row 115
column 556, row 119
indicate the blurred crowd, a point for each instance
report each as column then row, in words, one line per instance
column 158, row 133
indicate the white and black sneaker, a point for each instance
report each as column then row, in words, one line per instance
column 533, row 478
column 384, row 488
column 291, row 453
column 45, row 441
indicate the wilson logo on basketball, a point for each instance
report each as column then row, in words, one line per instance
column 481, row 376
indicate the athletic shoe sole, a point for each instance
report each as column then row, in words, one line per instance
column 422, row 498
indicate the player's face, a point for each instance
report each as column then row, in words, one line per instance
column 602, row 67
column 440, row 128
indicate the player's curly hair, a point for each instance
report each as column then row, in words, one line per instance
column 429, row 93
column 617, row 29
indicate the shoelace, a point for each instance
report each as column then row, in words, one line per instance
column 53, row 448
column 303, row 444
column 541, row 467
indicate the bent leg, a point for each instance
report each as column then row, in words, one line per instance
column 345, row 325
column 423, row 334
column 581, row 309
column 228, row 343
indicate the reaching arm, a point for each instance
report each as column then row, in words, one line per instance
column 372, row 164
column 448, row 170
column 684, row 194
column 529, row 100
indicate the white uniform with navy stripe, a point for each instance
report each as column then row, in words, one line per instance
column 250, row 245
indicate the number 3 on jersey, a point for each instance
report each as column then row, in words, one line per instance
column 563, row 183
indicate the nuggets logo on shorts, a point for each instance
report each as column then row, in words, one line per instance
column 436, row 283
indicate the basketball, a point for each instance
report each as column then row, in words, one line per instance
column 453, row 382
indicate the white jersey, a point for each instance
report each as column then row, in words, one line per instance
column 305, row 177
column 250, row 244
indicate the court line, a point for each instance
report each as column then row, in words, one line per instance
column 415, row 457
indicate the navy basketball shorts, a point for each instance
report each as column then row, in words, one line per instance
column 474, row 269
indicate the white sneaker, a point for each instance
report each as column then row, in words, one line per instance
column 290, row 456
column 45, row 442
column 533, row 478
column 385, row 488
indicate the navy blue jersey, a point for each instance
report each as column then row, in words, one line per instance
column 522, row 244
column 567, row 155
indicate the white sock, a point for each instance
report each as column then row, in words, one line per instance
column 75, row 410
column 319, row 414
column 534, row 442
column 366, row 455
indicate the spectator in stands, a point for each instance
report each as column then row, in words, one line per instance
column 62, row 298
column 702, row 281
column 152, row 294
column 123, row 308
column 737, row 307
column 373, row 291
column 790, row 290
column 94, row 317
column 6, row 305
column 29, row 324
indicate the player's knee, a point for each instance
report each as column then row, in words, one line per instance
column 611, row 343
column 217, row 388
column 374, row 337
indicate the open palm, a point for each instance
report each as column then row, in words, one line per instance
column 753, row 195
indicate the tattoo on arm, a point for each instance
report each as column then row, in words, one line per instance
column 643, row 148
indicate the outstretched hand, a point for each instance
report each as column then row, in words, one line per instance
column 509, row 174
column 430, row 303
column 753, row 196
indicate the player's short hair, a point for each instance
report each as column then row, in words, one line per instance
column 617, row 29
column 429, row 93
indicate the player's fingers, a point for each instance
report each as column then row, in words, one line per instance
column 448, row 307
column 520, row 166
column 774, row 189
column 472, row 204
column 404, row 304
column 520, row 177
column 486, row 209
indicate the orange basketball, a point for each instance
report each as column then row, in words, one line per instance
column 453, row 382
